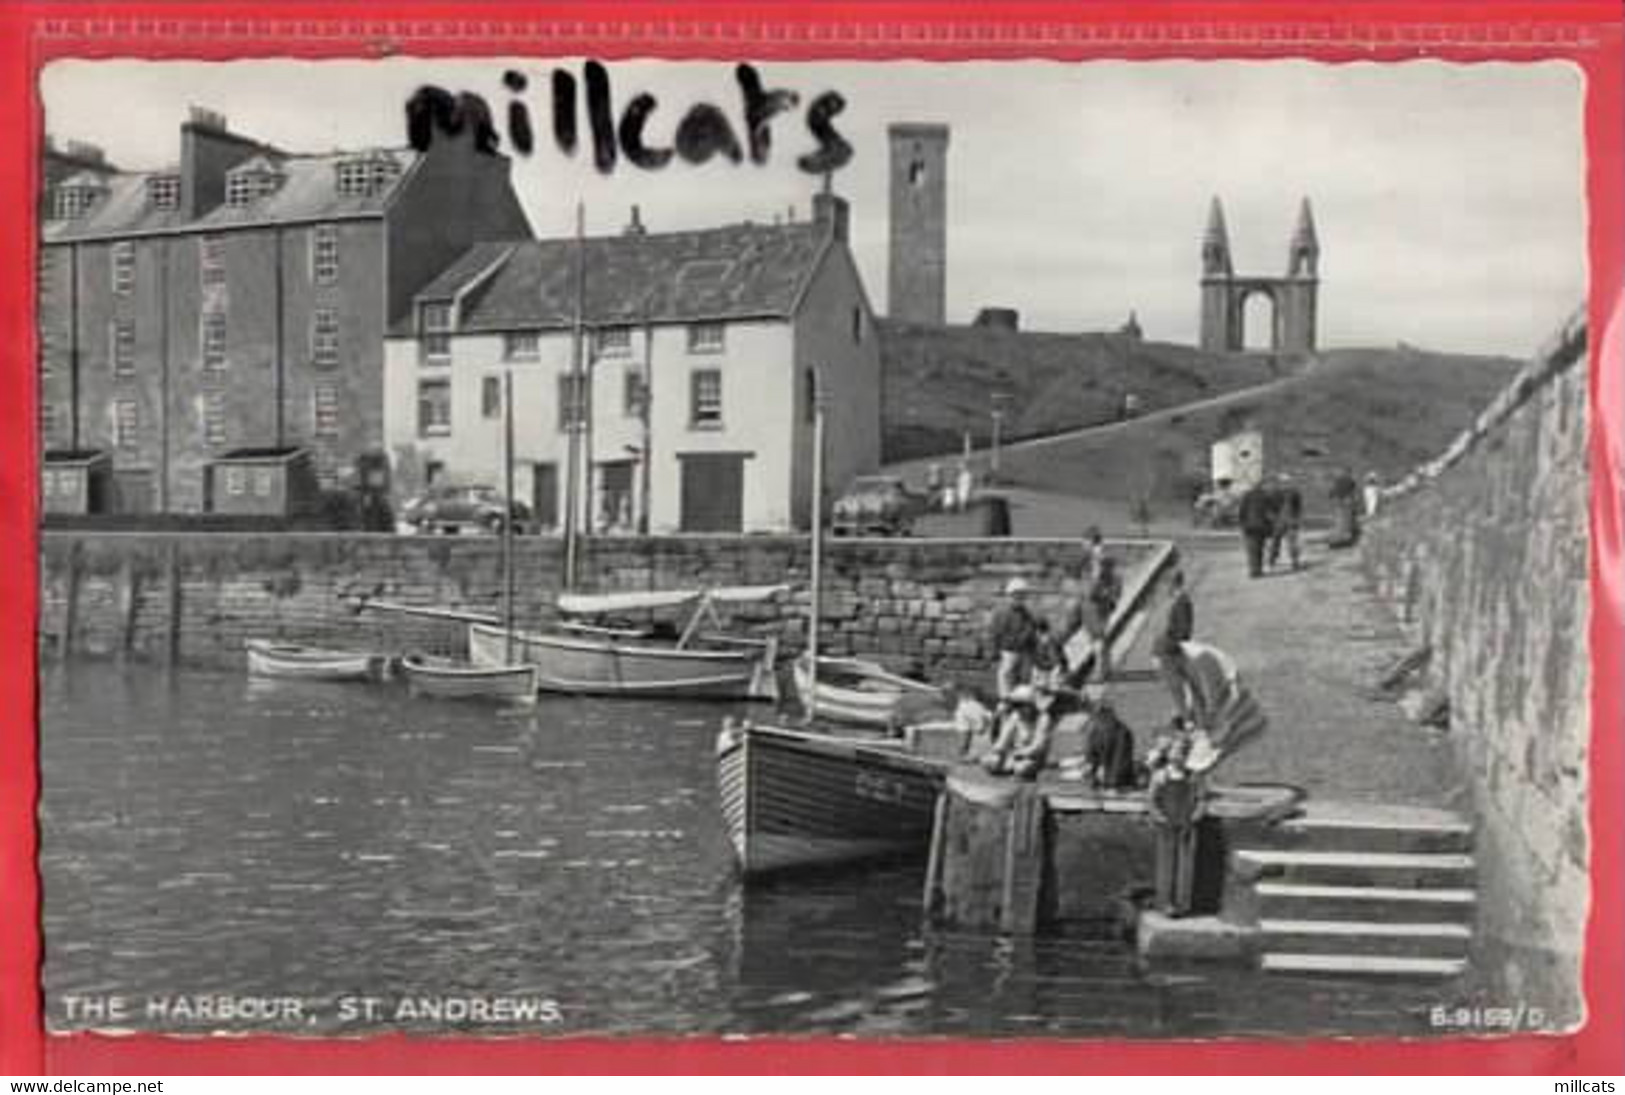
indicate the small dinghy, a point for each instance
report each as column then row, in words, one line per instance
column 448, row 678
column 862, row 693
column 267, row 658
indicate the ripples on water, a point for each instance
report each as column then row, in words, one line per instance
column 206, row 834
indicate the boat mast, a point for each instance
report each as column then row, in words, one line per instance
column 816, row 562
column 507, row 523
column 572, row 409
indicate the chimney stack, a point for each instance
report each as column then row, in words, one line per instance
column 634, row 227
column 832, row 211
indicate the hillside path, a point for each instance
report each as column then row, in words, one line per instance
column 1310, row 644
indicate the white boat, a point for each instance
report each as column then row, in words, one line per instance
column 586, row 659
column 268, row 658
column 449, row 678
column 862, row 693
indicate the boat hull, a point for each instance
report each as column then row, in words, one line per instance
column 451, row 680
column 294, row 662
column 862, row 694
column 601, row 666
column 795, row 800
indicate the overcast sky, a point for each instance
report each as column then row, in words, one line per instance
column 1449, row 198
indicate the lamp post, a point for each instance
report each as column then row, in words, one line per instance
column 1001, row 403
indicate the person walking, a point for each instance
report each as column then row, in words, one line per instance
column 1094, row 552
column 1256, row 519
column 1346, row 502
column 1288, row 522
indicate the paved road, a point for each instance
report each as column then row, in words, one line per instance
column 1310, row 644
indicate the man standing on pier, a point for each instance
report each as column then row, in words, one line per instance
column 1288, row 521
column 1014, row 635
column 1257, row 523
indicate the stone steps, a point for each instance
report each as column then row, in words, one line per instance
column 1392, row 938
column 1297, row 900
column 1363, row 965
column 1356, row 868
column 1360, row 890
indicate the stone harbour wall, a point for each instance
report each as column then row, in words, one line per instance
column 194, row 598
column 1485, row 555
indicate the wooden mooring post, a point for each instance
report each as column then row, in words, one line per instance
column 176, row 605
column 68, row 631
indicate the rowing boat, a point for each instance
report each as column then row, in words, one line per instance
column 268, row 658
column 448, row 678
column 862, row 693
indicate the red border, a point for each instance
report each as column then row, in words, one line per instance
column 32, row 32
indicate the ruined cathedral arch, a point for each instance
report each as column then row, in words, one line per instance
column 1292, row 297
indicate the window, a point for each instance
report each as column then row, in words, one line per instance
column 916, row 173
column 490, row 397
column 324, row 410
column 434, row 338
column 264, row 481
column 211, row 260
column 434, row 408
column 249, row 185
column 615, row 496
column 48, row 423
column 164, row 192
column 363, row 176
column 126, row 423
column 214, row 418
column 613, row 341
column 214, row 342
column 633, row 392
column 122, row 350
column 704, row 338
column 705, row 399
column 572, row 407
column 324, row 337
column 809, row 383
column 123, row 268
column 857, row 325
column 324, row 254
column 521, row 346
column 236, row 480
column 74, row 201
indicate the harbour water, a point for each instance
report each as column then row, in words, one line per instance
column 204, row 835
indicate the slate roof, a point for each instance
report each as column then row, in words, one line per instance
column 309, row 192
column 734, row 272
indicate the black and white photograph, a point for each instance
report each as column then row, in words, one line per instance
column 556, row 546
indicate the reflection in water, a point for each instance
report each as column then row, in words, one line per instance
column 204, row 834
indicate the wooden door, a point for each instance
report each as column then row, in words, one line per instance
column 713, row 492
column 544, row 491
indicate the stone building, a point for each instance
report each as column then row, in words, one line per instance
column 917, row 271
column 1292, row 298
column 702, row 350
column 239, row 299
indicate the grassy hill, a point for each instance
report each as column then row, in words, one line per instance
column 1376, row 410
column 940, row 380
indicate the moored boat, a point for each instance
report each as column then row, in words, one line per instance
column 851, row 690
column 448, row 678
column 584, row 659
column 268, row 658
column 803, row 799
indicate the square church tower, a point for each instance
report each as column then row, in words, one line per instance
column 917, row 270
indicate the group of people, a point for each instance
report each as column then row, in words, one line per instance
column 1352, row 502
column 951, row 493
column 1271, row 517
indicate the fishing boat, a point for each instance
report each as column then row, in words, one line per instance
column 583, row 658
column 268, row 658
column 449, row 678
column 805, row 799
column 862, row 693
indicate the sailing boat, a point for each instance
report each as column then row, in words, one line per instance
column 450, row 678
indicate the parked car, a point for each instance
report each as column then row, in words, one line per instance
column 1219, row 507
column 463, row 509
column 877, row 505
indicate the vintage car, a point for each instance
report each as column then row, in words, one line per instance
column 877, row 505
column 456, row 509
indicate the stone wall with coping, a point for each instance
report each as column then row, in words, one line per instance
column 1485, row 555
column 195, row 598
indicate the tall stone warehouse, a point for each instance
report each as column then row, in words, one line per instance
column 1293, row 298
column 917, row 271
column 237, row 300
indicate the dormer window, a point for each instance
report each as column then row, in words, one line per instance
column 363, row 176
column 164, row 192
column 74, row 199
column 251, row 182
